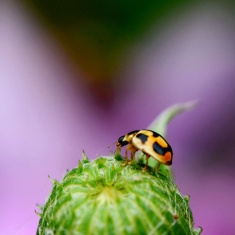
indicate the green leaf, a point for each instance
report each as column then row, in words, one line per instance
column 160, row 124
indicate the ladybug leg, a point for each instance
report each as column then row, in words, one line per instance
column 126, row 159
column 158, row 167
column 118, row 150
column 132, row 156
column 146, row 165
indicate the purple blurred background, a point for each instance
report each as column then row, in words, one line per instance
column 47, row 115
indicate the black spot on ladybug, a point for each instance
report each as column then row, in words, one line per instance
column 169, row 149
column 142, row 137
column 155, row 134
column 158, row 148
column 132, row 132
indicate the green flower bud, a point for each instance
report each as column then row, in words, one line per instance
column 104, row 197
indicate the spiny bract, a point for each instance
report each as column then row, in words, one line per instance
column 102, row 197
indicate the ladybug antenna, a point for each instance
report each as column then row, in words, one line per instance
column 112, row 144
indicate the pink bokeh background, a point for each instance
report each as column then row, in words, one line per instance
column 47, row 117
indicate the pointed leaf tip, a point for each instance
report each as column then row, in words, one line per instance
column 80, row 166
column 53, row 180
column 160, row 123
column 197, row 231
column 40, row 206
column 40, row 214
column 187, row 198
column 85, row 159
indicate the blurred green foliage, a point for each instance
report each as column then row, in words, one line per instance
column 96, row 33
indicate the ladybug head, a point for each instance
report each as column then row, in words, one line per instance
column 121, row 141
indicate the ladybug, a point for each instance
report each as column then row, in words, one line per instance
column 150, row 143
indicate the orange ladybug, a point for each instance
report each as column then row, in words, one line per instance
column 150, row 143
